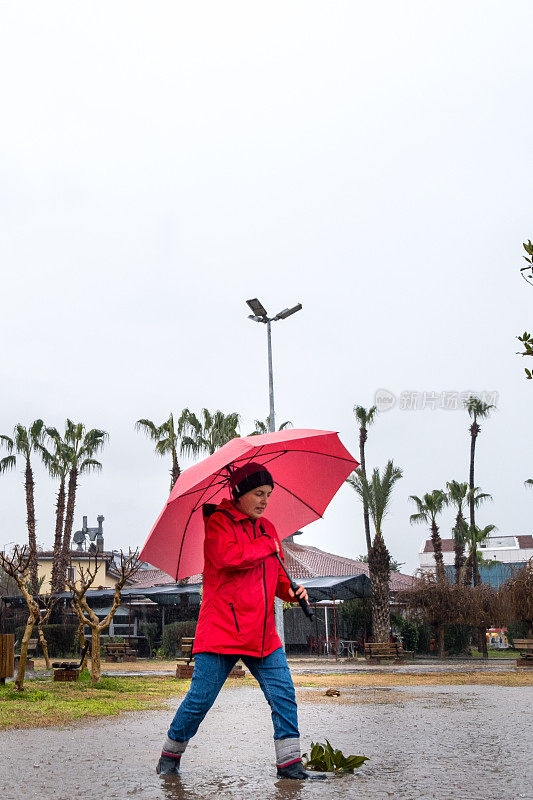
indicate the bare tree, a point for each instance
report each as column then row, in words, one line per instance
column 440, row 604
column 517, row 596
column 18, row 566
column 129, row 565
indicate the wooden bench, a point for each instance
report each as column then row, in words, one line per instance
column 525, row 646
column 185, row 671
column 69, row 670
column 375, row 651
column 119, row 651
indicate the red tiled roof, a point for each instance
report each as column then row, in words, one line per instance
column 147, row 578
column 525, row 542
column 302, row 562
column 447, row 546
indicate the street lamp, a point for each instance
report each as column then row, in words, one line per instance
column 260, row 315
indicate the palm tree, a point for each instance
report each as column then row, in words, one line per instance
column 377, row 494
column 529, row 482
column 167, row 437
column 475, row 537
column 428, row 508
column 364, row 418
column 460, row 495
column 457, row 493
column 80, row 447
column 24, row 442
column 264, row 426
column 58, row 465
column 477, row 409
column 212, row 432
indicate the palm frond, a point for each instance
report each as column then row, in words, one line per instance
column 477, row 408
column 359, row 483
column 7, row 441
column 478, row 496
column 457, row 491
column 529, row 482
column 36, row 432
column 164, row 446
column 418, row 518
column 148, row 427
column 429, row 506
column 376, row 492
column 7, row 463
column 89, row 465
column 21, row 441
column 363, row 416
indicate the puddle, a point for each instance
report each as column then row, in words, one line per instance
column 425, row 743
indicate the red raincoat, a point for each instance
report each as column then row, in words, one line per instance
column 241, row 578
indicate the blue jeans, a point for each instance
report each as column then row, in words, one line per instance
column 211, row 670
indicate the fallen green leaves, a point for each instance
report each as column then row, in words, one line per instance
column 324, row 758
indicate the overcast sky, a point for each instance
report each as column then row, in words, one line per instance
column 160, row 163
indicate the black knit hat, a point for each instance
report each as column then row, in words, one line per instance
column 249, row 477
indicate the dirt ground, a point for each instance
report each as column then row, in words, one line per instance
column 425, row 742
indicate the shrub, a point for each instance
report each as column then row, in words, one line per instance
column 409, row 631
column 149, row 629
column 172, row 634
column 457, row 639
column 424, row 637
column 62, row 640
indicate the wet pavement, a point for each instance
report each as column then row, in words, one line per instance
column 322, row 666
column 424, row 742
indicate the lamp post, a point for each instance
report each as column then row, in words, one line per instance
column 259, row 314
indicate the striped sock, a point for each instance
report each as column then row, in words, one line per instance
column 173, row 749
column 287, row 751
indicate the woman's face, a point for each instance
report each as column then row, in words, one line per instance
column 254, row 503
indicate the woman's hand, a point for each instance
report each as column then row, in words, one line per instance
column 301, row 593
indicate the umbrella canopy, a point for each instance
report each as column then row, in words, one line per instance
column 308, row 467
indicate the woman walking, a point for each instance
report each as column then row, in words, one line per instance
column 241, row 578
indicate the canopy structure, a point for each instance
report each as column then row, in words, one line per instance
column 164, row 595
column 171, row 595
column 336, row 588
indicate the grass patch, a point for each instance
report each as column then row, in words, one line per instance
column 45, row 703
column 497, row 654
column 518, row 678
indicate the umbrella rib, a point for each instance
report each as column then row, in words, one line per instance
column 272, row 456
column 196, row 507
column 295, row 450
column 204, row 488
column 300, row 500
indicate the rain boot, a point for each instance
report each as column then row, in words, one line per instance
column 296, row 772
column 168, row 764
column 289, row 762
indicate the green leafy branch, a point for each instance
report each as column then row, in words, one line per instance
column 529, row 258
column 324, row 758
column 527, row 340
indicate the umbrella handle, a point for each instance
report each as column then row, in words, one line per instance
column 304, row 605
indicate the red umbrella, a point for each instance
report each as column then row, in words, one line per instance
column 307, row 466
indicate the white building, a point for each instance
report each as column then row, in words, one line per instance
column 508, row 551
